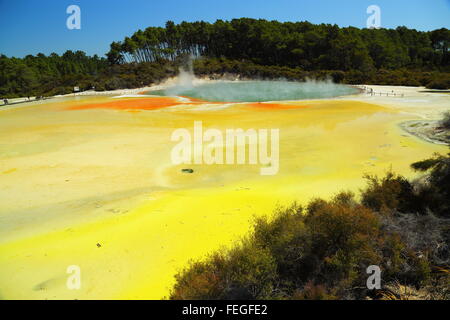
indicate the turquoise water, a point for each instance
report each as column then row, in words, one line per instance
column 257, row 91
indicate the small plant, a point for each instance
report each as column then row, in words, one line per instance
column 389, row 193
column 439, row 84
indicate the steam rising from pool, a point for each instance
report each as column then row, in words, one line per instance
column 253, row 91
column 256, row 91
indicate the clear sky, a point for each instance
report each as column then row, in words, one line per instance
column 33, row 26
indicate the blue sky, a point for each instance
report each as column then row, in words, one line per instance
column 33, row 26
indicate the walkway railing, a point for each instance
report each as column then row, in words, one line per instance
column 371, row 92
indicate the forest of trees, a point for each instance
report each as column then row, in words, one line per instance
column 250, row 47
column 53, row 74
column 299, row 44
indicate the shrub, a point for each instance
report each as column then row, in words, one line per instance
column 299, row 252
column 441, row 84
column 245, row 272
column 344, row 236
column 445, row 122
column 313, row 292
column 435, row 193
column 392, row 192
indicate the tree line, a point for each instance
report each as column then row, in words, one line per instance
column 41, row 74
column 249, row 47
column 292, row 44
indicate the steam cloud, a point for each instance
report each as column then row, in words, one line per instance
column 254, row 91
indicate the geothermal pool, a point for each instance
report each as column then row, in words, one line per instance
column 258, row 91
column 88, row 181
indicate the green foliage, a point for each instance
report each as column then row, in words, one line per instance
column 445, row 122
column 440, row 84
column 245, row 272
column 435, row 193
column 247, row 69
column 291, row 44
column 53, row 74
column 392, row 192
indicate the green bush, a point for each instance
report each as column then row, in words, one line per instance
column 435, row 192
column 313, row 254
column 445, row 122
column 439, row 81
column 392, row 192
column 245, row 272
